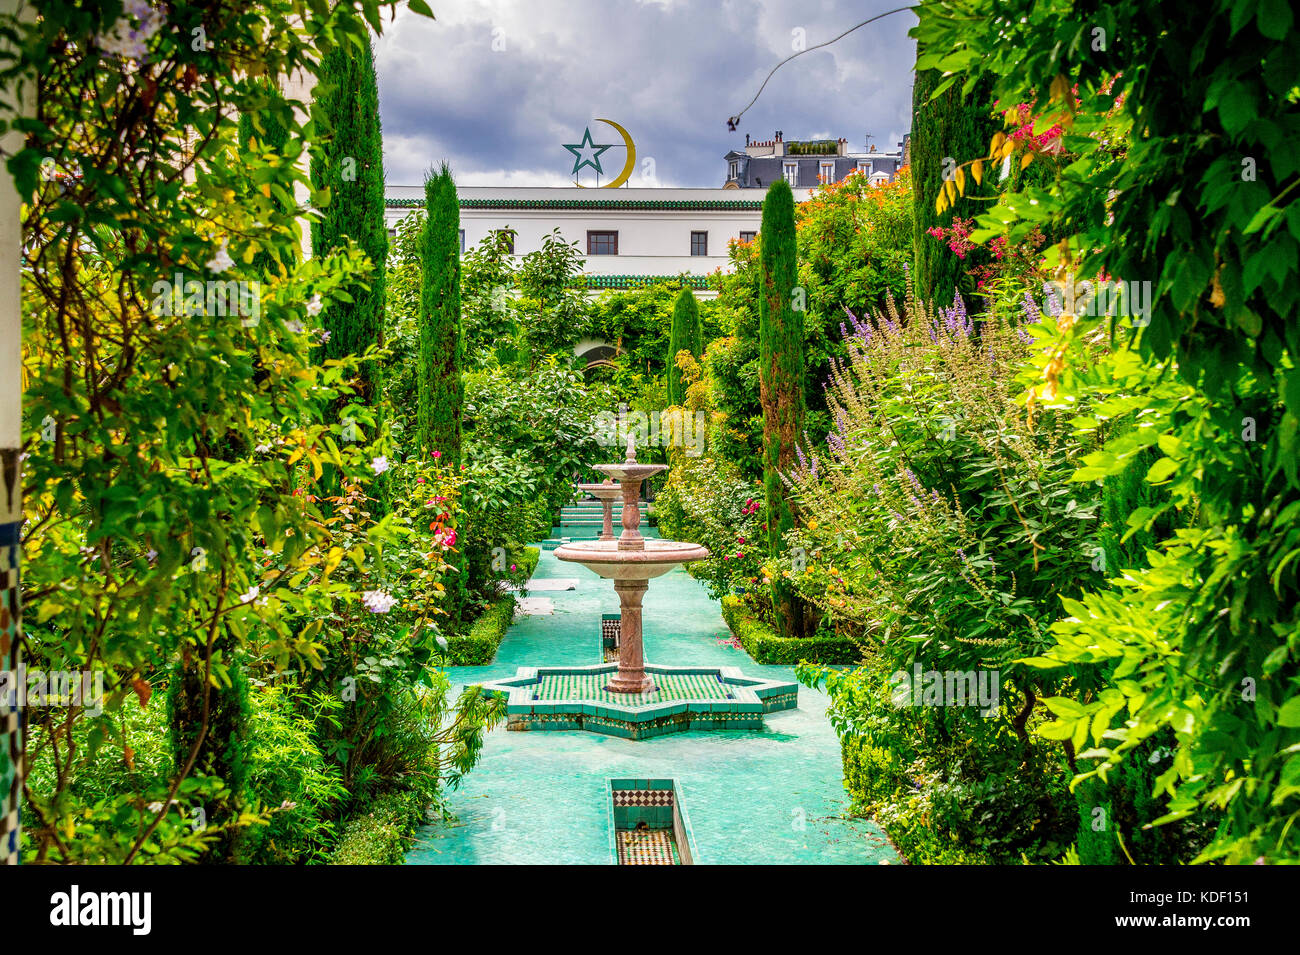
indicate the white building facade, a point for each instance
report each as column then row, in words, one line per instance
column 628, row 237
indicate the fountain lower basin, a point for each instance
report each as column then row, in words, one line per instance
column 655, row 558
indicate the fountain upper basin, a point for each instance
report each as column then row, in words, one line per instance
column 630, row 470
column 602, row 492
column 604, row 557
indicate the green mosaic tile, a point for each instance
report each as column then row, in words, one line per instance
column 669, row 688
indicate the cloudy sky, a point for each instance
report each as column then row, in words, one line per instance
column 497, row 86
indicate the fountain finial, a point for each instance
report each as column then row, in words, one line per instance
column 631, row 448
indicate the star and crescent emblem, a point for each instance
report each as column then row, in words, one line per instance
column 588, row 153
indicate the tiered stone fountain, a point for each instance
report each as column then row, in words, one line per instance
column 635, row 699
column 630, row 561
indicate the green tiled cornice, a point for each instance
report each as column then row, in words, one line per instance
column 670, row 205
column 639, row 281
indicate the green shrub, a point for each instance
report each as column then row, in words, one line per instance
column 943, row 795
column 478, row 645
column 767, row 646
column 288, row 775
column 878, row 786
column 381, row 834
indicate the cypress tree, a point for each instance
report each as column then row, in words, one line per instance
column 442, row 347
column 442, row 339
column 950, row 127
column 781, row 382
column 685, row 334
column 350, row 163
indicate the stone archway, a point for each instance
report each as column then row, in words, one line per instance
column 595, row 353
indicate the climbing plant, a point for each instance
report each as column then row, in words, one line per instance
column 1184, row 188
column 169, row 319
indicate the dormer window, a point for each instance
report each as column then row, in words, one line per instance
column 733, row 169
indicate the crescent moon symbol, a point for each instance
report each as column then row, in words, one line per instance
column 626, row 172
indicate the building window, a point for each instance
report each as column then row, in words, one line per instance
column 747, row 236
column 602, row 243
column 507, row 238
column 791, row 171
column 699, row 243
column 827, row 171
column 864, row 167
column 733, row 169
column 462, row 241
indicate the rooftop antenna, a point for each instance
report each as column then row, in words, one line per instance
column 734, row 122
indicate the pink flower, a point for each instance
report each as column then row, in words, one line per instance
column 419, row 480
column 437, row 454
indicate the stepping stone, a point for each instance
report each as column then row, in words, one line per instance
column 547, row 584
column 534, row 607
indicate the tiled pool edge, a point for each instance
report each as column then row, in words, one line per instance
column 753, row 697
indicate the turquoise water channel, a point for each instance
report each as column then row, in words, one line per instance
column 769, row 797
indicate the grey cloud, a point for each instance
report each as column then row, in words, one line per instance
column 671, row 72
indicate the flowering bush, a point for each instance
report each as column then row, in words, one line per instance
column 706, row 500
column 941, row 511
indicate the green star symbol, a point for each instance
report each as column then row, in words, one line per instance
column 587, row 153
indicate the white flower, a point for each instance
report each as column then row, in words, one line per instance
column 131, row 42
column 376, row 601
column 221, row 261
column 151, row 553
column 262, row 448
column 295, row 326
column 251, row 595
column 314, row 305
column 379, row 465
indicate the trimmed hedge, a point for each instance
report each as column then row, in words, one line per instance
column 478, row 647
column 765, row 645
column 382, row 835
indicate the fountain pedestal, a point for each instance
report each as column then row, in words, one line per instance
column 606, row 493
column 631, row 676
